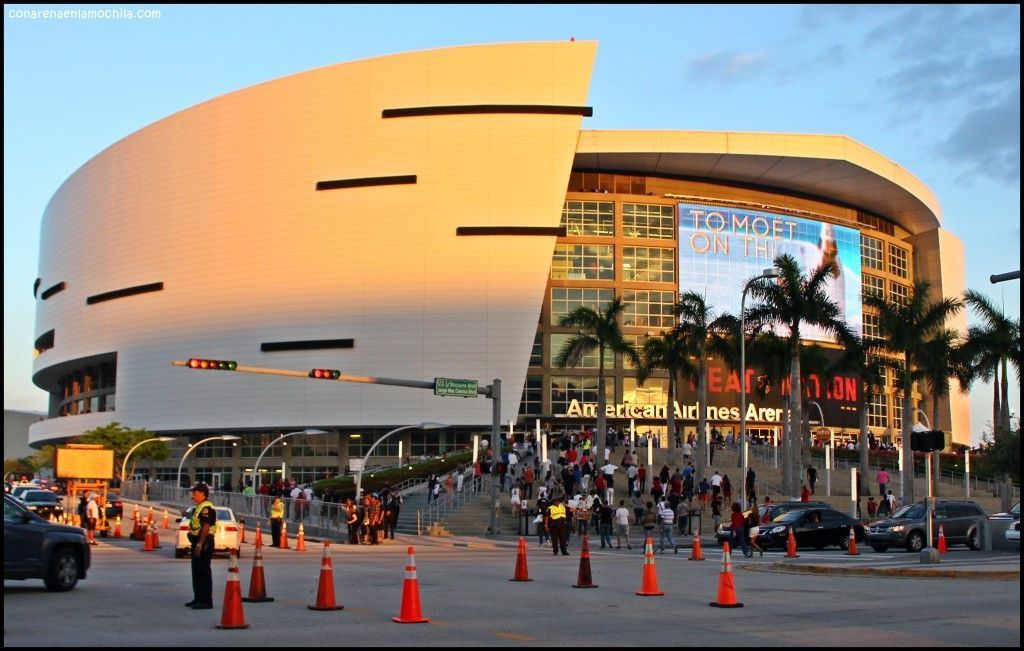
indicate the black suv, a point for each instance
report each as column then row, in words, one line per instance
column 36, row 549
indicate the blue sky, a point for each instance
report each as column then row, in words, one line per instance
column 934, row 88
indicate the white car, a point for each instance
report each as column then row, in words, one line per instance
column 1013, row 533
column 225, row 540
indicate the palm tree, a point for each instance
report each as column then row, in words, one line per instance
column 666, row 351
column 792, row 301
column 597, row 330
column 702, row 336
column 871, row 369
column 938, row 363
column 987, row 348
column 906, row 325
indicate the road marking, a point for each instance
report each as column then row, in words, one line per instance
column 514, row 636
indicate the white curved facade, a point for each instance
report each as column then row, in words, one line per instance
column 218, row 202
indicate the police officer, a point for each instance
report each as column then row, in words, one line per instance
column 556, row 524
column 276, row 520
column 202, row 527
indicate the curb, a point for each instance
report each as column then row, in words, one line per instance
column 898, row 572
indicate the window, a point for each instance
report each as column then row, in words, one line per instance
column 252, row 445
column 583, row 262
column 878, row 410
column 584, row 389
column 311, row 474
column 872, row 326
column 648, row 309
column 215, row 450
column 435, row 442
column 590, row 218
column 359, row 444
column 533, row 394
column 537, row 353
column 897, row 412
column 566, row 299
column 872, row 286
column 653, row 392
column 648, row 264
column 898, row 257
column 215, row 478
column 653, row 221
column 590, row 360
column 322, row 445
column 871, row 253
column 637, row 342
column 898, row 294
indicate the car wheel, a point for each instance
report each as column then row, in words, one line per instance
column 63, row 572
column 879, row 548
column 844, row 543
column 972, row 541
column 915, row 542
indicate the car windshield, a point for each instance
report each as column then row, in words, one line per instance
column 1015, row 511
column 39, row 496
column 909, row 512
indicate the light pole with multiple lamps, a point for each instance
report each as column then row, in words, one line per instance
column 256, row 466
column 422, row 426
column 124, row 464
column 772, row 272
column 193, row 446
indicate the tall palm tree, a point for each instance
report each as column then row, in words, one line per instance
column 668, row 352
column 602, row 331
column 860, row 359
column 938, row 364
column 906, row 325
column 988, row 348
column 792, row 301
column 703, row 335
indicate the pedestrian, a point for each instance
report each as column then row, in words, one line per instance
column 529, row 476
column 622, row 525
column 641, row 478
column 667, row 518
column 301, row 505
column 702, row 492
column 883, row 482
column 872, row 507
column 649, row 521
column 459, row 478
column 352, row 521
column 517, row 500
column 753, row 529
column 92, row 516
column 812, row 477
column 605, row 516
column 805, row 493
column 739, row 529
column 556, row 523
column 716, row 514
column 726, row 489
column 751, row 483
column 202, row 528
column 716, row 484
column 541, row 521
column 431, row 483
column 276, row 520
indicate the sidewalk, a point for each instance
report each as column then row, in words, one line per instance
column 957, row 564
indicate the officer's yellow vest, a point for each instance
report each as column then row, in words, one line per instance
column 557, row 512
column 277, row 510
column 193, row 523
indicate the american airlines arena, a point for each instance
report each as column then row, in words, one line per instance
column 434, row 214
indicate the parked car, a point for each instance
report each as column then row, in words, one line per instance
column 225, row 540
column 37, row 549
column 43, row 502
column 775, row 509
column 1013, row 533
column 960, row 520
column 114, row 507
column 814, row 527
column 21, row 489
column 1012, row 514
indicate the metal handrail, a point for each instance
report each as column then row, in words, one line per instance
column 445, row 505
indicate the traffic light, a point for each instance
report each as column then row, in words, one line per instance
column 325, row 374
column 929, row 441
column 212, row 364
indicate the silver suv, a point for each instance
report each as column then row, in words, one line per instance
column 906, row 527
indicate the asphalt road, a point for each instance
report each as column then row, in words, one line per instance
column 135, row 598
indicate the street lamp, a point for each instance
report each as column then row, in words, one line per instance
column 256, row 467
column 124, row 464
column 423, row 426
column 222, row 437
column 828, row 452
column 773, row 272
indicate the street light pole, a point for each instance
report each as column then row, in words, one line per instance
column 124, row 464
column 223, row 437
column 256, row 467
column 359, row 477
column 772, row 272
column 828, row 451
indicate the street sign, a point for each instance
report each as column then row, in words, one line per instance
column 446, row 386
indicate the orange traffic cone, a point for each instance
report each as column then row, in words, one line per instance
column 726, row 589
column 149, row 546
column 232, row 615
column 300, row 543
column 583, row 579
column 149, row 516
column 410, row 596
column 325, row 590
column 166, row 524
column 259, row 536
column 257, row 583
column 283, row 543
column 851, row 545
column 522, row 572
column 791, row 545
column 695, row 553
column 241, row 532
column 138, row 533
column 117, row 527
column 649, row 582
column 942, row 541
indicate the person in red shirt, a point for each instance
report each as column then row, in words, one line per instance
column 805, row 494
column 573, row 455
column 641, row 478
column 738, row 531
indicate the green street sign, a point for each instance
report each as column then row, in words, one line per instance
column 446, row 386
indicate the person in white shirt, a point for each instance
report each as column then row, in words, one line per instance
column 687, row 450
column 631, row 476
column 716, row 484
column 622, row 525
column 92, row 515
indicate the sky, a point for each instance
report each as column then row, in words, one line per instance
column 935, row 89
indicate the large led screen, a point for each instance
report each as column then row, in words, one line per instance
column 720, row 248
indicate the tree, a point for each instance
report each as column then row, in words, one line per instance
column 599, row 330
column 871, row 370
column 905, row 326
column 668, row 352
column 121, row 440
column 702, row 337
column 792, row 301
column 939, row 362
column 987, row 349
column 19, row 467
